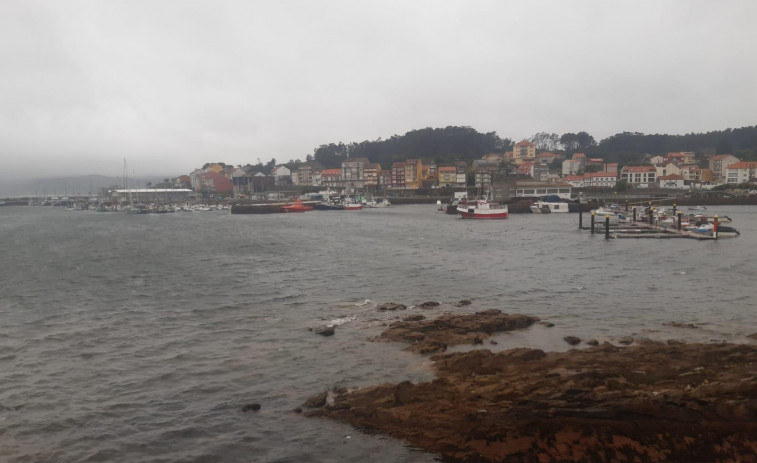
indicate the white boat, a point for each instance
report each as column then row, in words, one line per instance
column 546, row 207
column 376, row 204
column 484, row 210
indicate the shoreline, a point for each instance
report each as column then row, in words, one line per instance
column 648, row 401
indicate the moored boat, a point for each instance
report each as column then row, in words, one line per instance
column 548, row 207
column 353, row 206
column 484, row 210
column 297, row 206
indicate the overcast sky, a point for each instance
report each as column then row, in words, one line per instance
column 170, row 85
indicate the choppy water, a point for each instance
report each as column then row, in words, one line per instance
column 128, row 338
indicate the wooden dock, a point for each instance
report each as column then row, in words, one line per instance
column 639, row 229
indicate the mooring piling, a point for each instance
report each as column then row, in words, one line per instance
column 607, row 227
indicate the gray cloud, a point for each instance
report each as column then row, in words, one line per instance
column 173, row 84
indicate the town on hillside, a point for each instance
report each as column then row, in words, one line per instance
column 503, row 173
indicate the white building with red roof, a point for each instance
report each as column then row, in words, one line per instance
column 639, row 175
column 741, row 172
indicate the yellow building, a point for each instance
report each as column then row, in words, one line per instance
column 413, row 173
column 524, row 151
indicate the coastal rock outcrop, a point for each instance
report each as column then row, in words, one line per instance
column 429, row 336
column 325, row 330
column 652, row 401
column 572, row 340
column 391, row 306
column 428, row 305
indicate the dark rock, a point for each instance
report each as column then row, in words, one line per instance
column 253, row 407
column 463, row 302
column 477, row 341
column 625, row 340
column 429, row 336
column 572, row 340
column 391, row 306
column 429, row 305
column 403, row 393
column 325, row 331
column 493, row 342
column 752, row 336
column 317, row 401
column 547, row 324
column 414, row 318
column 297, row 410
column 680, row 325
column 592, row 342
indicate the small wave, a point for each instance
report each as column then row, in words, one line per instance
column 342, row 321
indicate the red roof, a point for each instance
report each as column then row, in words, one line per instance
column 744, row 165
column 639, row 169
column 578, row 155
column 671, row 177
column 573, row 178
column 525, row 143
column 601, row 174
column 447, row 169
column 331, row 172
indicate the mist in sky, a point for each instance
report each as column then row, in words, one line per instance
column 171, row 85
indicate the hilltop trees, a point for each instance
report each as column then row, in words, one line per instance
column 442, row 145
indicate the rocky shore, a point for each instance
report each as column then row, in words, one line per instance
column 648, row 402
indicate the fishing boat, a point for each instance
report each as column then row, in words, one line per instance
column 484, row 210
column 353, row 206
column 297, row 206
column 329, row 206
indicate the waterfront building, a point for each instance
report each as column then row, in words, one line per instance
column 282, row 175
column 385, row 178
column 539, row 189
column 371, row 175
column 672, row 181
column 353, row 172
column 398, row 175
column 482, row 178
column 720, row 164
column 331, row 178
column 664, row 169
column 639, row 176
column 447, row 176
column 741, row 172
column 413, row 173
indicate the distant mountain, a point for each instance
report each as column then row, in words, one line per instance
column 69, row 186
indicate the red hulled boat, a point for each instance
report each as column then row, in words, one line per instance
column 484, row 210
column 297, row 206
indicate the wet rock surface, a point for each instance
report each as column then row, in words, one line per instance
column 428, row 305
column 391, row 306
column 430, row 336
column 652, row 401
column 325, row 331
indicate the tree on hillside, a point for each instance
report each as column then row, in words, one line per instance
column 546, row 141
column 331, row 155
column 574, row 142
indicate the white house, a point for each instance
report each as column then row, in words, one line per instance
column 672, row 181
column 741, row 172
column 639, row 175
column 282, row 174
